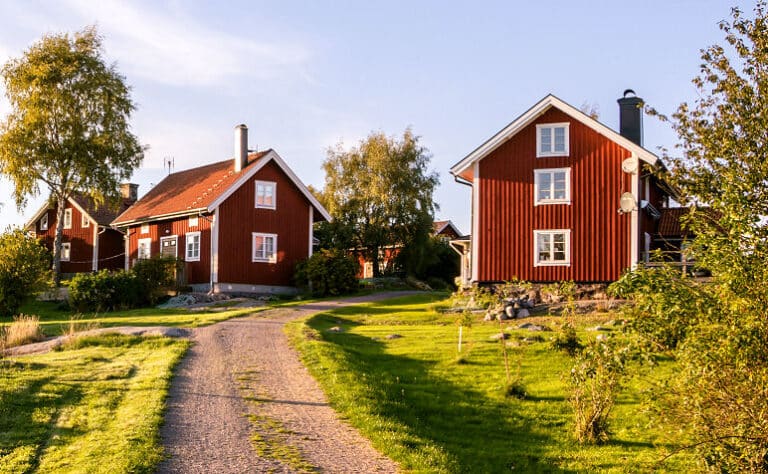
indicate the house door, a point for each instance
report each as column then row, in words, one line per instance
column 168, row 246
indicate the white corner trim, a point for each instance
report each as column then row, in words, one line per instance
column 534, row 112
column 215, row 248
column 95, row 255
column 311, row 229
column 634, row 227
column 475, row 220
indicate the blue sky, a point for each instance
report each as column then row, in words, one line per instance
column 305, row 76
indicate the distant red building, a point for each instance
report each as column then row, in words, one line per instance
column 88, row 242
column 240, row 225
column 557, row 195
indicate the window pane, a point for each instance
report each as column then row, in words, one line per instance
column 558, row 247
column 545, row 186
column 560, row 139
column 546, row 140
column 543, row 243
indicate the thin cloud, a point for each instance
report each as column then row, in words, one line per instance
column 174, row 50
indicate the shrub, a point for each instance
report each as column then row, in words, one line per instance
column 328, row 272
column 24, row 329
column 24, row 270
column 106, row 291
column 155, row 275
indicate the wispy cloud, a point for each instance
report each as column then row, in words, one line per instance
column 174, row 50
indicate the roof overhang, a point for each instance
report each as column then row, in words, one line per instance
column 463, row 169
column 171, row 215
column 48, row 205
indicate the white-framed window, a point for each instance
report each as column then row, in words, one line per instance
column 266, row 192
column 144, row 249
column 145, row 228
column 193, row 246
column 84, row 221
column 68, row 218
column 552, row 186
column 192, row 221
column 552, row 139
column 264, row 247
column 551, row 247
column 44, row 222
column 66, row 251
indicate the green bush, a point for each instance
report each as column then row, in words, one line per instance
column 328, row 272
column 24, row 270
column 156, row 275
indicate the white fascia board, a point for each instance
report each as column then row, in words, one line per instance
column 171, row 215
column 36, row 216
column 254, row 168
column 534, row 112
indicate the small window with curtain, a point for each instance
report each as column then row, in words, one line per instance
column 265, row 194
column 264, row 247
column 552, row 247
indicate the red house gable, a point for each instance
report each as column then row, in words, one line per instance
column 240, row 225
column 546, row 190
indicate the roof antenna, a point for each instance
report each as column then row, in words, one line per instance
column 170, row 162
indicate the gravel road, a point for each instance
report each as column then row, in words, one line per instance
column 245, row 366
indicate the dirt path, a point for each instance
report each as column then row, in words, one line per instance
column 206, row 429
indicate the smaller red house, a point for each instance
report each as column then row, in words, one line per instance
column 240, row 225
column 89, row 243
column 445, row 230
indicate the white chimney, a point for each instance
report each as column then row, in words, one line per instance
column 241, row 147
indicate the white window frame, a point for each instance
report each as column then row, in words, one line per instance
column 145, row 228
column 148, row 243
column 44, row 222
column 552, row 127
column 67, row 218
column 263, row 257
column 193, row 221
column 552, row 263
column 187, row 240
column 537, row 183
column 84, row 221
column 66, row 251
column 271, row 184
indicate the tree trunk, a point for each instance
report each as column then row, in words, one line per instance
column 61, row 203
column 375, row 262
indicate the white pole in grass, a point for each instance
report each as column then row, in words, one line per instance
column 460, row 328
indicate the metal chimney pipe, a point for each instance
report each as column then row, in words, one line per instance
column 241, row 147
column 631, row 117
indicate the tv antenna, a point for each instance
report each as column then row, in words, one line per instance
column 170, row 163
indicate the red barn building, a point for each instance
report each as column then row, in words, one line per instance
column 88, row 242
column 240, row 225
column 557, row 195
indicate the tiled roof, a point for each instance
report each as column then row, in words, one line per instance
column 187, row 190
column 103, row 214
column 669, row 223
column 437, row 226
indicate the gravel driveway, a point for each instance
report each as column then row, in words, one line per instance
column 245, row 366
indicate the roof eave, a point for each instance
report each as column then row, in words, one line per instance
column 170, row 215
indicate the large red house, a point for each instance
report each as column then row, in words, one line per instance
column 88, row 242
column 240, row 225
column 557, row 195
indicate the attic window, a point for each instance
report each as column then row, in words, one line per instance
column 265, row 194
column 552, row 139
column 44, row 222
column 84, row 221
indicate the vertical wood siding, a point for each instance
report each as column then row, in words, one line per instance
column 238, row 218
column 600, row 236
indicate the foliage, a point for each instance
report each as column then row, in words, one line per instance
column 156, row 275
column 437, row 261
column 328, row 272
column 24, row 329
column 24, row 264
column 565, row 339
column 718, row 331
column 96, row 407
column 595, row 382
column 380, row 195
column 68, row 124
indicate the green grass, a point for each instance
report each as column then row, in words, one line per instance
column 93, row 407
column 55, row 321
column 432, row 411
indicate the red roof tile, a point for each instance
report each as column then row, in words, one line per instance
column 103, row 214
column 186, row 190
column 669, row 223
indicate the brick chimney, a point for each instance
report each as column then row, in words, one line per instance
column 631, row 117
column 241, row 147
column 129, row 191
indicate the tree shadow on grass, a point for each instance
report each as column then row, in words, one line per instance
column 449, row 426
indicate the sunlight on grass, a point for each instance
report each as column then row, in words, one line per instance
column 95, row 407
column 422, row 408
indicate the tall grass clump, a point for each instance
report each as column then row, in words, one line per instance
column 24, row 329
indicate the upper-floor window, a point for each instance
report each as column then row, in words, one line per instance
column 193, row 247
column 145, row 229
column 552, row 186
column 552, row 247
column 192, row 221
column 265, row 194
column 552, row 139
column 66, row 251
column 84, row 221
column 44, row 222
column 68, row 218
column 264, row 248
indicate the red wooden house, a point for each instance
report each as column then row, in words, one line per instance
column 88, row 242
column 240, row 225
column 557, row 195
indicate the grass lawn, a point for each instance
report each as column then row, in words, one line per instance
column 431, row 413
column 93, row 407
column 55, row 321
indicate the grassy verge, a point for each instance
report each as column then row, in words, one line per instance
column 431, row 411
column 94, row 407
column 55, row 321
